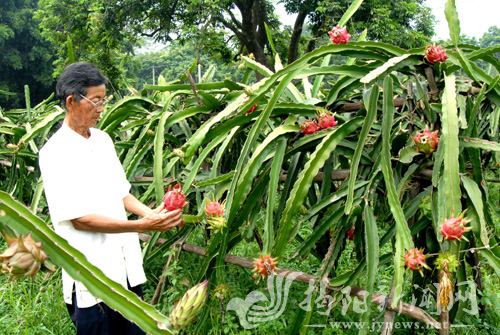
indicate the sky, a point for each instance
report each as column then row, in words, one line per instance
column 475, row 16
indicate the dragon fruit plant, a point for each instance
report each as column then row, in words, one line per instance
column 174, row 198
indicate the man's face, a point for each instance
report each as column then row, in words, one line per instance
column 83, row 113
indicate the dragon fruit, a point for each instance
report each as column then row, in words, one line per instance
column 326, row 120
column 264, row 266
column 350, row 234
column 174, row 199
column 415, row 260
column 310, row 127
column 435, row 54
column 23, row 257
column 189, row 306
column 213, row 208
column 426, row 141
column 454, row 228
column 339, row 35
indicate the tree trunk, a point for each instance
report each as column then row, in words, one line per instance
column 293, row 49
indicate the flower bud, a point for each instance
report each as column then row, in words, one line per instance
column 189, row 306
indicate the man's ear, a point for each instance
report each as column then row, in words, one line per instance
column 70, row 100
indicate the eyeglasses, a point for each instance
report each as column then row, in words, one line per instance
column 98, row 104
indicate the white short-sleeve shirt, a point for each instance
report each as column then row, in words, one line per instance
column 81, row 177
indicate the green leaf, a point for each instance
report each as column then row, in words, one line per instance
column 372, row 252
column 304, row 182
column 391, row 65
column 399, row 271
column 319, row 230
column 279, row 154
column 208, row 100
column 43, row 125
column 158, row 154
column 450, row 11
column 407, row 153
column 402, row 229
column 479, row 144
column 450, row 143
column 349, row 12
column 476, row 198
column 371, row 106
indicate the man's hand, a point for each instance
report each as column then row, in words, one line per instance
column 159, row 219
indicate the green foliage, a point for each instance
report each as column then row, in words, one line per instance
column 287, row 193
column 26, row 57
column 82, row 27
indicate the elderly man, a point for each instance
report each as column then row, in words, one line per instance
column 88, row 195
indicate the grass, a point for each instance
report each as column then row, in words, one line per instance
column 33, row 307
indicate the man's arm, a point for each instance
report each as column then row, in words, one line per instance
column 133, row 205
column 157, row 219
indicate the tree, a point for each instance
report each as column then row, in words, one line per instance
column 78, row 31
column 226, row 28
column 26, row 58
column 407, row 24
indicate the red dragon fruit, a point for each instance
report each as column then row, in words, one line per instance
column 350, row 234
column 426, row 141
column 326, row 120
column 454, row 228
column 310, row 127
column 339, row 35
column 174, row 199
column 415, row 260
column 213, row 208
column 435, row 54
column 264, row 266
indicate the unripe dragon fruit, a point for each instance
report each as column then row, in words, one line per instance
column 454, row 228
column 23, row 257
column 264, row 266
column 326, row 120
column 415, row 260
column 216, row 223
column 174, row 199
column 213, row 208
column 339, row 35
column 435, row 54
column 189, row 306
column 350, row 234
column 310, row 127
column 426, row 141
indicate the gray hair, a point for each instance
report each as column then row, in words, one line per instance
column 76, row 78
